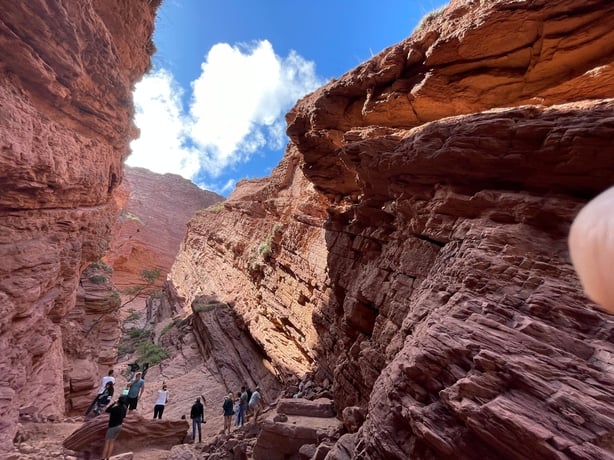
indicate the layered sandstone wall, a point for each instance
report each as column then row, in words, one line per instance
column 262, row 252
column 431, row 246
column 465, row 153
column 66, row 74
column 154, row 211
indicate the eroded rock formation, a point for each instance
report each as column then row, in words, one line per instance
column 90, row 333
column 136, row 432
column 66, row 76
column 154, row 211
column 262, row 252
column 430, row 246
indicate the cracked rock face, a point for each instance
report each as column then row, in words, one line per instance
column 444, row 174
column 66, row 76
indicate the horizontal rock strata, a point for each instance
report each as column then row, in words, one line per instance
column 445, row 173
column 154, row 211
column 66, row 76
column 136, row 432
column 457, row 319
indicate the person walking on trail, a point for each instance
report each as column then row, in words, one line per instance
column 135, row 391
column 104, row 398
column 161, row 402
column 134, row 367
column 242, row 406
column 102, row 389
column 197, row 414
column 228, row 412
column 107, row 378
column 237, row 408
column 255, row 403
column 117, row 412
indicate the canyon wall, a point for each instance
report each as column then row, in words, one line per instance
column 66, row 76
column 412, row 243
column 154, row 210
column 261, row 251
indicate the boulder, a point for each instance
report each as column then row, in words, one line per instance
column 296, row 406
column 136, row 432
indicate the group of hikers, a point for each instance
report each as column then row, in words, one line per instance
column 117, row 411
column 246, row 401
column 133, row 391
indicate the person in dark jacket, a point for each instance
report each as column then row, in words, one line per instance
column 197, row 414
column 117, row 412
column 227, row 408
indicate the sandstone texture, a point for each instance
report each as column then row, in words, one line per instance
column 417, row 229
column 154, row 211
column 66, row 76
column 263, row 253
column 90, row 333
column 136, row 432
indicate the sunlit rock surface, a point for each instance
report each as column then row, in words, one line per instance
column 445, row 173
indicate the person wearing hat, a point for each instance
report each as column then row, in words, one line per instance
column 117, row 412
column 161, row 401
column 255, row 403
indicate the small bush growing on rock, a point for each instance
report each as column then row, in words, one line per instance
column 100, row 265
column 125, row 348
column 217, row 207
column 200, row 308
column 151, row 352
column 264, row 249
column 138, row 333
column 133, row 315
column 169, row 326
column 98, row 279
column 430, row 17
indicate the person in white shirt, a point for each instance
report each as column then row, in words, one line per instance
column 255, row 403
column 161, row 401
column 107, row 378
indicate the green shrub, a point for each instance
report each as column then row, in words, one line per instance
column 100, row 265
column 151, row 353
column 98, row 279
column 264, row 249
column 217, row 207
column 136, row 333
column 169, row 326
column 133, row 315
column 200, row 308
column 125, row 348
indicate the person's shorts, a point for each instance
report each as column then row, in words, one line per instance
column 113, row 432
column 132, row 403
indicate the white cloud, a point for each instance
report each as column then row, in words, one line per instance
column 236, row 109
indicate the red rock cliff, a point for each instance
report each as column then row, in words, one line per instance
column 154, row 211
column 66, row 75
column 427, row 260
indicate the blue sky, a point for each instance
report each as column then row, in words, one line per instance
column 226, row 72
